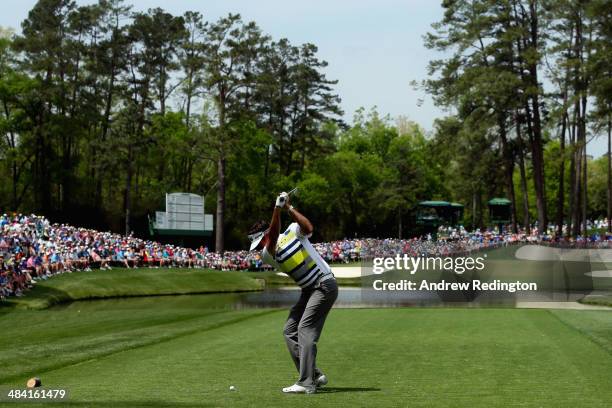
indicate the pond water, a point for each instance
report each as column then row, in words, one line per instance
column 348, row 297
column 356, row 297
column 285, row 297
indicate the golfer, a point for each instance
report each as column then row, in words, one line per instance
column 292, row 253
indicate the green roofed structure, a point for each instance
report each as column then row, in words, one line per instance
column 434, row 204
column 500, row 211
column 499, row 201
column 431, row 214
column 456, row 214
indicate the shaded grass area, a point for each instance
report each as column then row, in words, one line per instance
column 132, row 282
column 373, row 357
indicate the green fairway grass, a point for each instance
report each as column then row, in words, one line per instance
column 85, row 330
column 186, row 351
column 133, row 282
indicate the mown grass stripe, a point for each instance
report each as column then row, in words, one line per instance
column 214, row 326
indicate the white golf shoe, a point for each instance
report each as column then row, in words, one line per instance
column 300, row 389
column 321, row 381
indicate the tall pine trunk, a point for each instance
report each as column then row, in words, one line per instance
column 127, row 200
column 508, row 170
column 561, row 193
column 609, row 175
column 219, row 232
column 521, row 159
column 574, row 181
column 221, row 176
column 537, row 150
column 584, row 165
column 399, row 223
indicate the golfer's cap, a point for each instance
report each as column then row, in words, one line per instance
column 256, row 239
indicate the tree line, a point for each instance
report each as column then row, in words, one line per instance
column 104, row 109
column 524, row 76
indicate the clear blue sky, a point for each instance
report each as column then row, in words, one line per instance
column 373, row 47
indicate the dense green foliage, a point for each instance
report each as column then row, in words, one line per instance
column 497, row 57
column 187, row 351
column 103, row 110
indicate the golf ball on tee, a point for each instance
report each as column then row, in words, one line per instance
column 232, row 388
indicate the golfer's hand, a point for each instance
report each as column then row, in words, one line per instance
column 282, row 200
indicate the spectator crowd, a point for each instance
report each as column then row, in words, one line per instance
column 33, row 249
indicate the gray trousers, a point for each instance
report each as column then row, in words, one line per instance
column 304, row 325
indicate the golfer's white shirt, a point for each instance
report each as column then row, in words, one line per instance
column 296, row 257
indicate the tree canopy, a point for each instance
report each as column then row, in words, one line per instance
column 104, row 109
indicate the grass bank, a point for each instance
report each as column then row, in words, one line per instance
column 599, row 300
column 133, row 282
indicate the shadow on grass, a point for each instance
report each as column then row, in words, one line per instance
column 39, row 297
column 329, row 390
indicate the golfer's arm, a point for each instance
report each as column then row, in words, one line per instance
column 274, row 231
column 304, row 223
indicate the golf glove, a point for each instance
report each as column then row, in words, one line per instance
column 281, row 200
